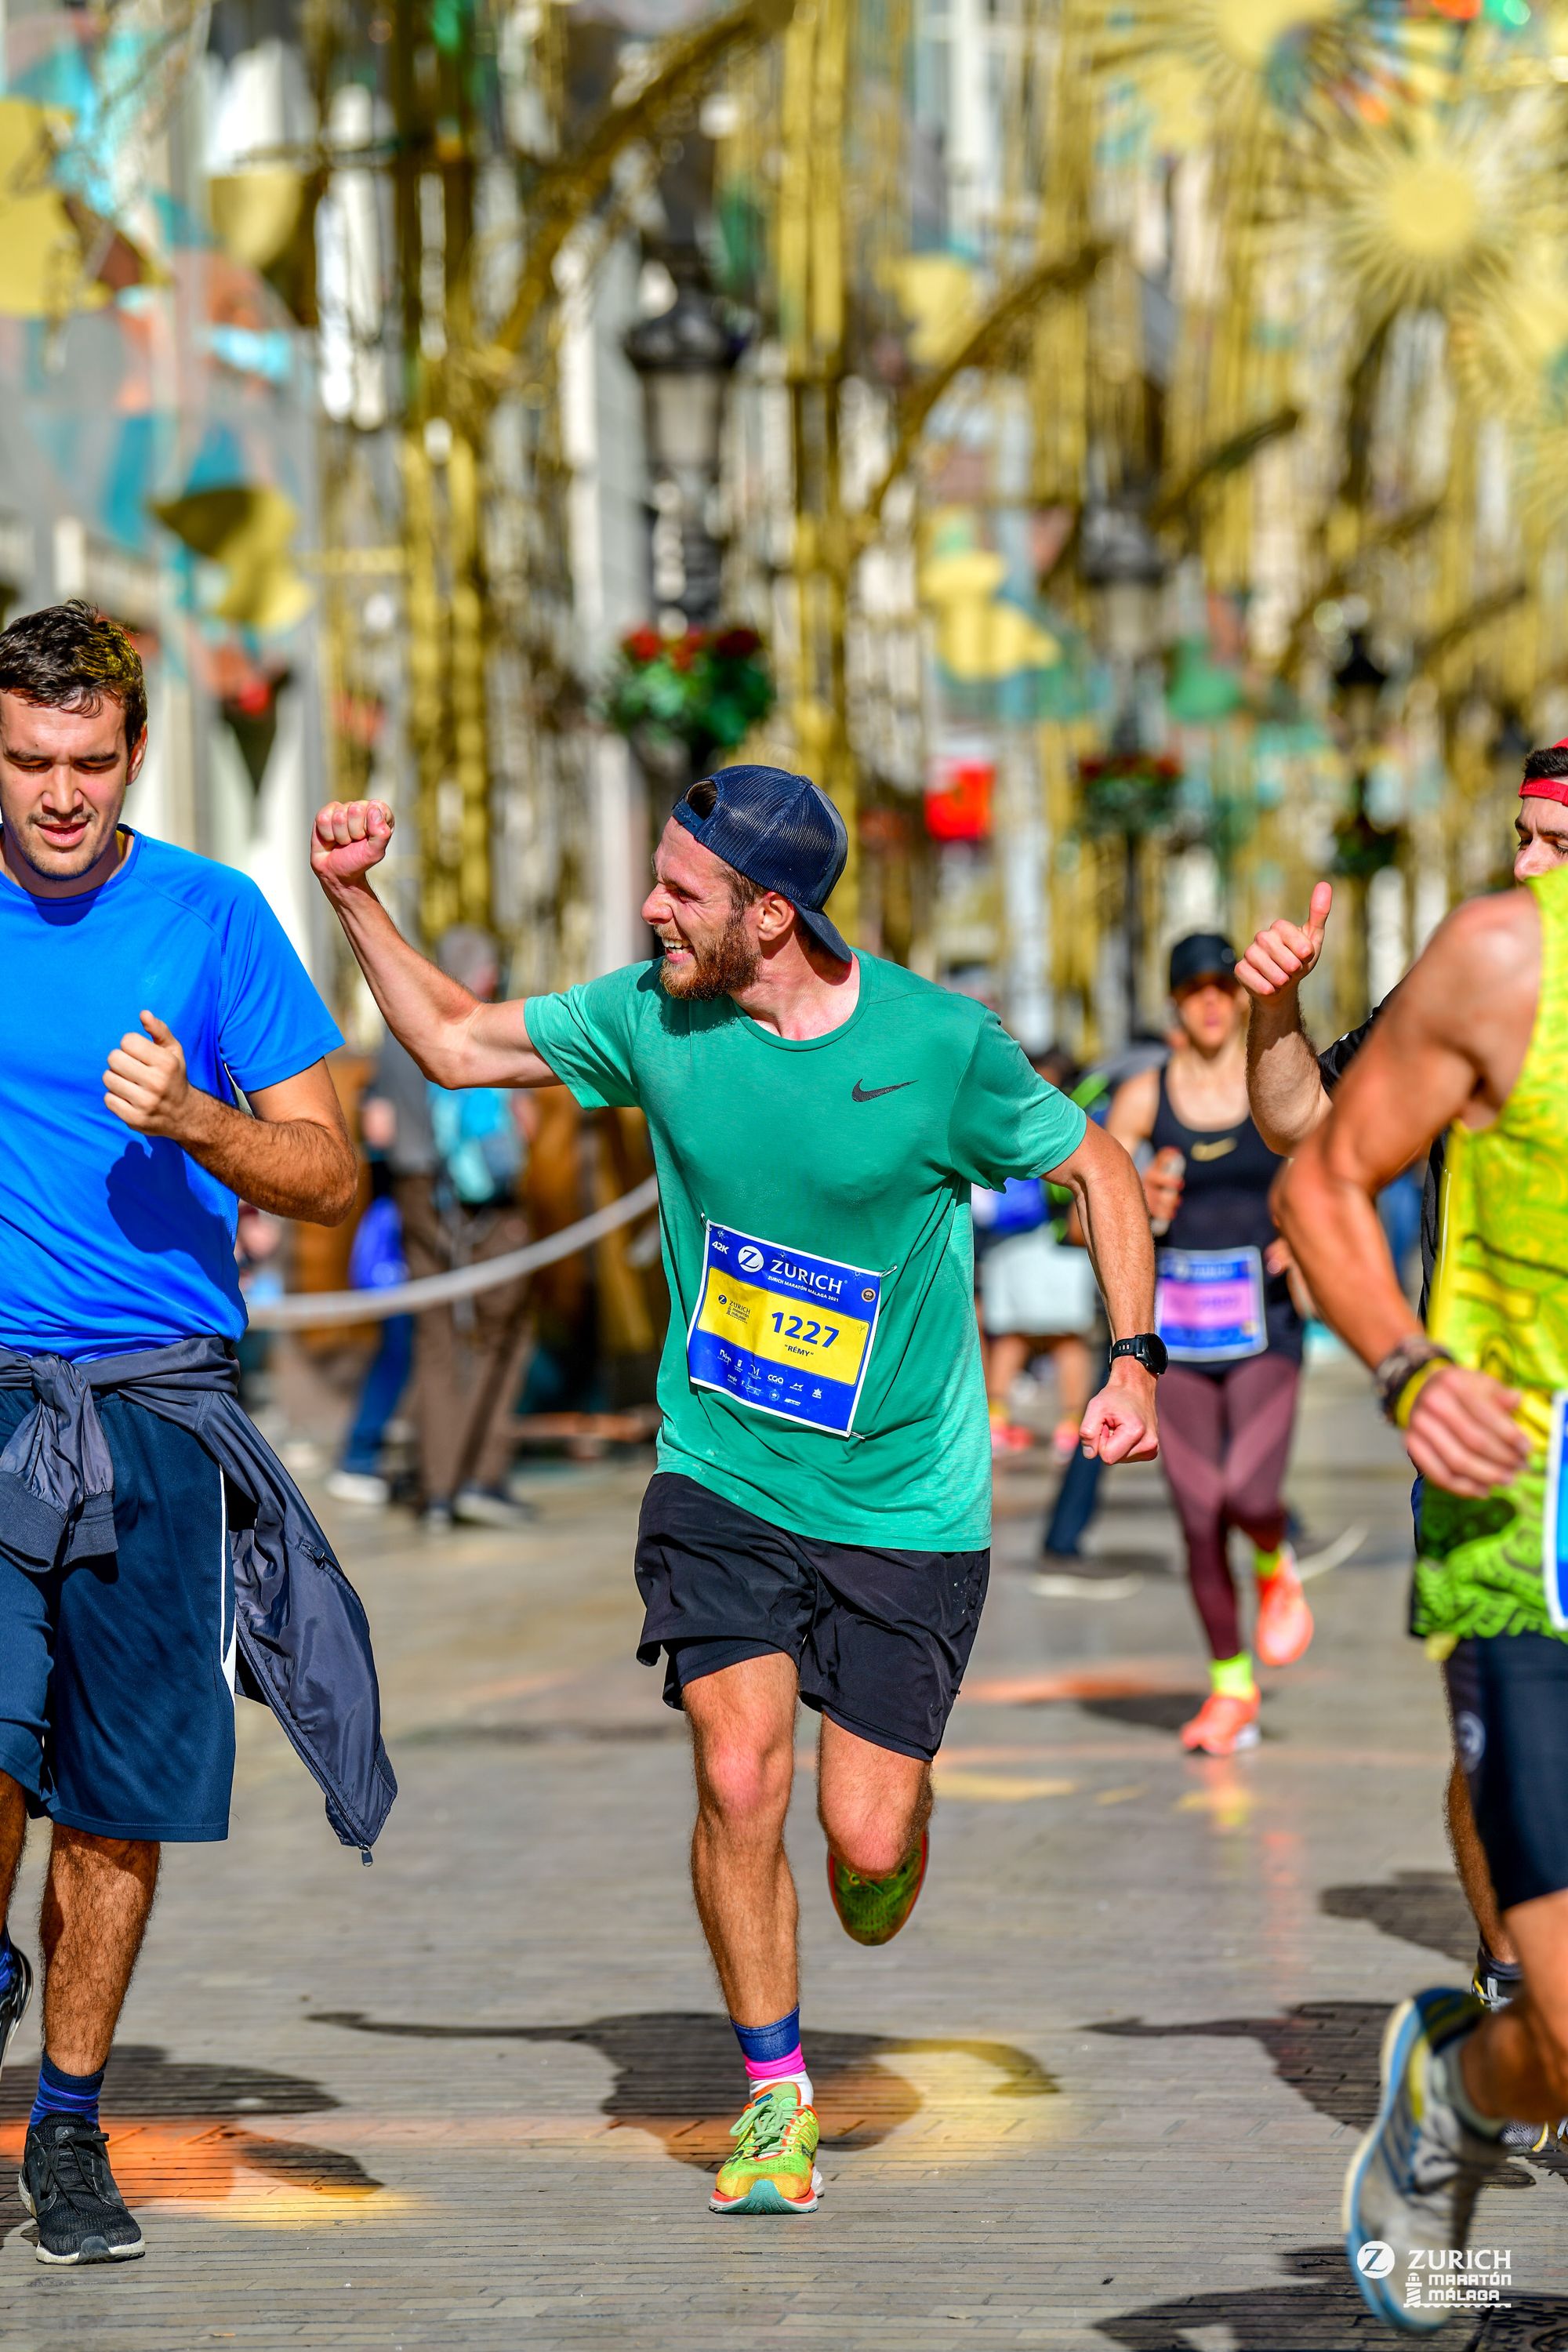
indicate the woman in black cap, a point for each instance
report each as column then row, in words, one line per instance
column 1228, row 1404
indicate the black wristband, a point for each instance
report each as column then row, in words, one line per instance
column 1400, row 1366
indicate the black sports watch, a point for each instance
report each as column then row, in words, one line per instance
column 1147, row 1348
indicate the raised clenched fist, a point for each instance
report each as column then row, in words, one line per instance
column 350, row 837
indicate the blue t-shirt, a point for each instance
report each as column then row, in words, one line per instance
column 111, row 1240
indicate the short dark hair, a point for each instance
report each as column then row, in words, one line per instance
column 702, row 797
column 1548, row 765
column 72, row 656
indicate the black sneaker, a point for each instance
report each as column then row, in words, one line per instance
column 66, row 2186
column 14, row 1998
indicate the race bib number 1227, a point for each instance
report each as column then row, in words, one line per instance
column 782, row 1331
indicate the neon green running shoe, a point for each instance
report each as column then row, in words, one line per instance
column 872, row 1910
column 772, row 2170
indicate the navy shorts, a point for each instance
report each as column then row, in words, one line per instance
column 116, row 1674
column 1508, row 1694
column 880, row 1638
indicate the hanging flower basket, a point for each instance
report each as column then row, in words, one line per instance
column 1127, row 792
column 688, row 697
column 1362, row 848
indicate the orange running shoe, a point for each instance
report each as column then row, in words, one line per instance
column 1223, row 1724
column 1284, row 1620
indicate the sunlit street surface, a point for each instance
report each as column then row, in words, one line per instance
column 1100, row 2093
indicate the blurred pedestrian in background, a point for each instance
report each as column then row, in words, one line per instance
column 376, row 1262
column 1038, row 1295
column 457, row 1160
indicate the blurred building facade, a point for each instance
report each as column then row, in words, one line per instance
column 1131, row 434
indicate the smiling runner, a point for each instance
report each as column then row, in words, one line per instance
column 819, row 1523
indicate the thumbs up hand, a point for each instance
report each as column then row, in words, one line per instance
column 1282, row 955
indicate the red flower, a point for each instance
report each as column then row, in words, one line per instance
column 642, row 645
column 737, row 645
column 684, row 654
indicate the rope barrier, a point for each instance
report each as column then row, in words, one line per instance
column 305, row 1310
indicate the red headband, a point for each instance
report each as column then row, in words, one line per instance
column 1547, row 788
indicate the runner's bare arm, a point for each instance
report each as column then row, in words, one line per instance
column 1285, row 1090
column 293, row 1156
column 1119, row 1425
column 454, row 1039
column 1453, row 1040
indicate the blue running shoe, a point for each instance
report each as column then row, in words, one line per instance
column 1413, row 2182
column 14, row 2001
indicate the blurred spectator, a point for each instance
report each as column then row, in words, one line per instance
column 1399, row 1213
column 376, row 1263
column 455, row 1159
column 258, row 1246
column 1037, row 1296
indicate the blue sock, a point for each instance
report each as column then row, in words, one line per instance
column 60, row 2093
column 8, row 1959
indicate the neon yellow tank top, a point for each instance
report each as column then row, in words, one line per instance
column 1501, row 1304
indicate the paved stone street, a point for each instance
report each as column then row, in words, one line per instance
column 1099, row 2095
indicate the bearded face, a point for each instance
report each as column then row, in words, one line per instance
column 699, row 966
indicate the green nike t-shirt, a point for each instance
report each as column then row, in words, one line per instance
column 822, row 1367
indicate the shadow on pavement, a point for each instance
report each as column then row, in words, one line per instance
column 1162, row 1711
column 1324, row 2314
column 186, row 2132
column 1327, row 2051
column 1416, row 1907
column 675, row 2072
column 1531, row 2325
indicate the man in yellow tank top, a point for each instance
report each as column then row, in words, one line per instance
column 1290, row 1085
column 1475, row 1041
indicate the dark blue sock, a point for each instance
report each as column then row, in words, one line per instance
column 8, row 1959
column 60, row 2093
column 766, row 2043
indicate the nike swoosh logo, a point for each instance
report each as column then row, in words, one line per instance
column 870, row 1093
column 1214, row 1150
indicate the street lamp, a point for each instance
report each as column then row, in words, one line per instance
column 684, row 355
column 1123, row 568
column 1362, row 848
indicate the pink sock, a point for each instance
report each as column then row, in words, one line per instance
column 777, row 2070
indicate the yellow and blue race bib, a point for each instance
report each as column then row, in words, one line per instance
column 783, row 1331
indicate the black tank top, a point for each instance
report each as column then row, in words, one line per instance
column 1224, row 1204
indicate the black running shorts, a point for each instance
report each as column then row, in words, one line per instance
column 880, row 1638
column 1508, row 1694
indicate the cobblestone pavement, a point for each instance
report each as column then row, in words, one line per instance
column 1099, row 2095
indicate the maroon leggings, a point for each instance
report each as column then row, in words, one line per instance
column 1224, row 1439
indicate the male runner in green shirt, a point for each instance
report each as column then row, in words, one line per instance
column 819, row 1523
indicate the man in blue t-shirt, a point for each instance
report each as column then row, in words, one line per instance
column 146, row 990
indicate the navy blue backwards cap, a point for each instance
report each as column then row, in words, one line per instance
column 782, row 832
